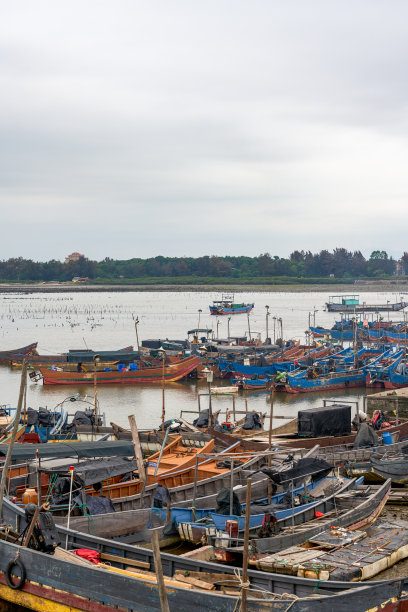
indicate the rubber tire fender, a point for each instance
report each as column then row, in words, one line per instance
column 23, row 577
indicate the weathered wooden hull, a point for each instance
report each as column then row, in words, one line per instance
column 171, row 372
column 53, row 583
column 396, row 468
column 359, row 515
column 6, row 356
column 397, row 306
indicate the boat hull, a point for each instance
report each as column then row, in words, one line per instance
column 172, row 372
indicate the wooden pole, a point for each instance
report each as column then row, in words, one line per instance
column 164, row 604
column 246, row 405
column 199, row 402
column 232, row 486
column 137, row 335
column 246, row 547
column 195, row 484
column 163, row 393
column 7, row 462
column 161, row 450
column 233, row 408
column 137, row 447
column 270, row 444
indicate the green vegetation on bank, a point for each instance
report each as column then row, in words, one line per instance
column 303, row 267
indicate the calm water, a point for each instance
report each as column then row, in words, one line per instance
column 63, row 321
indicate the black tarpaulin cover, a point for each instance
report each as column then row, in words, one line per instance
column 107, row 448
column 87, row 473
column 299, row 472
column 252, row 421
column 334, row 420
column 223, row 503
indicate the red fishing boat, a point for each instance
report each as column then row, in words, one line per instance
column 169, row 373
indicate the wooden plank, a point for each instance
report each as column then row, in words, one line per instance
column 200, row 584
column 119, row 559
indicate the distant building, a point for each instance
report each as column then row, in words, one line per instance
column 399, row 268
column 74, row 257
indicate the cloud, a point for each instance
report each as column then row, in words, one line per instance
column 134, row 128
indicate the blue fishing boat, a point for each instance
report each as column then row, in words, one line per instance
column 227, row 306
column 380, row 372
column 194, row 525
column 311, row 380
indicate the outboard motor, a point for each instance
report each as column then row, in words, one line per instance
column 45, row 535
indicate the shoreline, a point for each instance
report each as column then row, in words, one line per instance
column 383, row 286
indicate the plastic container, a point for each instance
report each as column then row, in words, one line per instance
column 29, row 497
column 387, row 438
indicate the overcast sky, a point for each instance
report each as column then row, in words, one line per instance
column 136, row 128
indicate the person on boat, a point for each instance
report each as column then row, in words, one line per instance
column 79, row 367
column 366, row 436
column 358, row 419
column 269, row 526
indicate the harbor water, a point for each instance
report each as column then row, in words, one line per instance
column 101, row 321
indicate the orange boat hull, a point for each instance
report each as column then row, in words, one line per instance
column 172, row 372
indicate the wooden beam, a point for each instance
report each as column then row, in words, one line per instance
column 137, row 447
column 164, row 604
column 125, row 560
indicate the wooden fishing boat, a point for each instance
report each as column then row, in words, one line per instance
column 62, row 366
column 175, row 458
column 179, row 465
column 55, row 581
column 395, row 468
column 251, row 384
column 62, row 581
column 260, row 441
column 299, row 527
column 227, row 306
column 171, row 372
column 351, row 303
column 354, row 509
column 343, row 554
column 195, row 526
column 22, row 352
column 126, row 355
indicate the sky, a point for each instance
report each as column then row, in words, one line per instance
column 183, row 128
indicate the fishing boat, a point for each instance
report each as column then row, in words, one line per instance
column 354, row 505
column 291, row 438
column 380, row 371
column 198, row 527
column 395, row 468
column 351, row 303
column 343, row 554
column 254, row 383
column 22, row 352
column 60, row 579
column 227, row 306
column 157, row 374
column 74, row 356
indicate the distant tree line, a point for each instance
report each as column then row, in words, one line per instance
column 340, row 264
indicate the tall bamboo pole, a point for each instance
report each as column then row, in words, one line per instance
column 7, row 462
column 246, row 547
